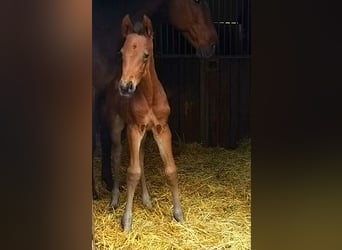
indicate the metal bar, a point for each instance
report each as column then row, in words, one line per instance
column 212, row 9
column 167, row 39
column 230, row 27
column 185, row 46
column 236, row 29
column 249, row 24
column 219, row 26
column 242, row 25
column 204, row 126
column 179, row 44
column 173, row 41
column 224, row 25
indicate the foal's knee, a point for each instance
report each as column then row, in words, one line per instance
column 134, row 173
column 171, row 172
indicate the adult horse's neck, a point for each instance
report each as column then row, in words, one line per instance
column 157, row 10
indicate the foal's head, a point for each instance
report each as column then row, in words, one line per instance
column 136, row 52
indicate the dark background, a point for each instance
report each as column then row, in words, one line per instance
column 46, row 125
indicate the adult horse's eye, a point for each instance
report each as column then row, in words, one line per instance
column 197, row 1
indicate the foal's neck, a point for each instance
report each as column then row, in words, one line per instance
column 149, row 82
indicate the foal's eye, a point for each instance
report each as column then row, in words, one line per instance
column 197, row 1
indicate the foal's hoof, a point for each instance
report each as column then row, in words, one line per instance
column 146, row 200
column 178, row 215
column 126, row 223
column 148, row 204
column 114, row 203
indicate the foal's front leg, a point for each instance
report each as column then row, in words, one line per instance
column 162, row 135
column 134, row 135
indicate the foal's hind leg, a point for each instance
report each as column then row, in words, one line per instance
column 106, row 172
column 146, row 199
column 105, row 140
column 134, row 135
column 162, row 135
column 116, row 129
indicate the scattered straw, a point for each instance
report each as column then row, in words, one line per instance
column 215, row 195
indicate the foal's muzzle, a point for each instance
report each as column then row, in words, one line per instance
column 126, row 89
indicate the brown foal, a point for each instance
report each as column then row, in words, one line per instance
column 137, row 99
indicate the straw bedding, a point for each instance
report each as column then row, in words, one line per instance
column 215, row 191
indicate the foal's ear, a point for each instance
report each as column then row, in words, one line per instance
column 126, row 26
column 148, row 26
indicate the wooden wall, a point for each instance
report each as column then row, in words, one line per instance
column 209, row 99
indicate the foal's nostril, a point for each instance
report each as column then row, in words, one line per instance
column 122, row 88
column 130, row 87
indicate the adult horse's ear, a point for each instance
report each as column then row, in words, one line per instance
column 148, row 26
column 126, row 26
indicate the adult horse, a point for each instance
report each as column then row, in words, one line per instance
column 137, row 99
column 191, row 17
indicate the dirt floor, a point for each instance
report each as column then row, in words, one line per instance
column 215, row 191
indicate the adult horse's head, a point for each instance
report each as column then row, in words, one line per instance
column 136, row 52
column 192, row 18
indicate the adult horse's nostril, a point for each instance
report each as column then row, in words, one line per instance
column 213, row 47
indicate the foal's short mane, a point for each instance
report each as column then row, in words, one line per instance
column 138, row 28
